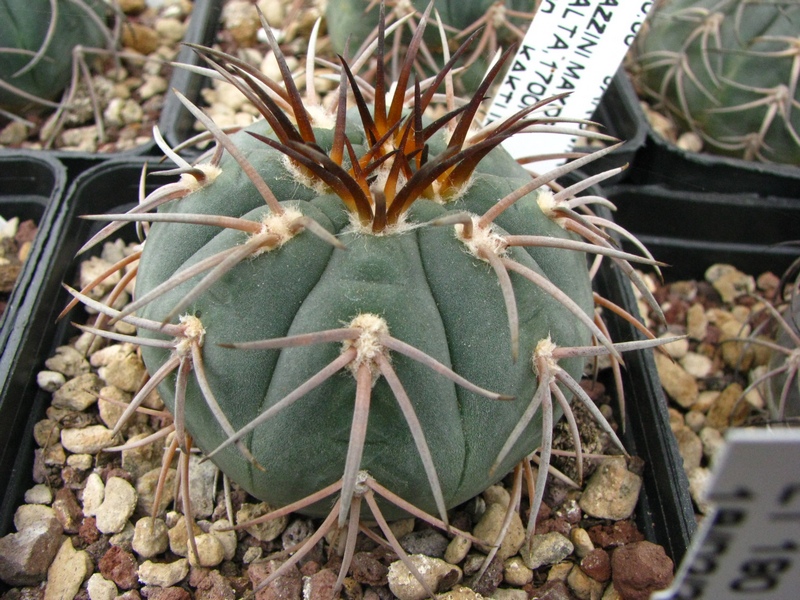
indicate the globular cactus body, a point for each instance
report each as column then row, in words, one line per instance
column 422, row 281
column 37, row 38
column 339, row 305
column 728, row 70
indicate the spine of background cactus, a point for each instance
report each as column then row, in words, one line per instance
column 782, row 378
column 365, row 303
column 37, row 38
column 728, row 70
column 499, row 22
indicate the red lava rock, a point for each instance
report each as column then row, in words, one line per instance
column 545, row 512
column 676, row 313
column 120, row 567
column 73, row 478
column 241, row 586
column 289, row 586
column 618, row 533
column 24, row 593
column 309, row 568
column 369, row 570
column 640, row 568
column 96, row 550
column 68, row 511
column 197, row 575
column 116, row 471
column 320, row 585
column 558, row 524
column 491, row 579
column 553, row 590
column 25, row 556
column 597, row 565
column 214, row 587
column 170, row 593
column 594, row 389
column 26, row 232
column 570, row 511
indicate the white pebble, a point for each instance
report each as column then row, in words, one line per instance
column 150, row 537
column 93, row 494
column 100, row 588
column 163, row 574
column 434, row 572
column 89, row 440
column 117, row 507
column 39, row 494
column 676, row 349
column 697, row 365
column 226, row 538
column 210, row 551
column 50, row 381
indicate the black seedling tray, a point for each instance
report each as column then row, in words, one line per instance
column 662, row 162
column 31, row 186
column 691, row 231
column 665, row 512
column 176, row 123
column 110, row 186
column 617, row 114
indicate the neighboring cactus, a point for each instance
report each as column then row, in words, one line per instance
column 502, row 23
column 38, row 38
column 785, row 364
column 728, row 70
column 782, row 376
column 365, row 302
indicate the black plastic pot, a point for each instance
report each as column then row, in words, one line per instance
column 31, row 186
column 691, row 231
column 617, row 114
column 662, row 162
column 665, row 512
column 176, row 123
column 111, row 186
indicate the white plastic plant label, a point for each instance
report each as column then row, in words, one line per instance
column 572, row 46
column 748, row 548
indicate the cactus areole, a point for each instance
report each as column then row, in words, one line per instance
column 344, row 299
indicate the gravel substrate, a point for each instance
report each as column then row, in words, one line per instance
column 16, row 239
column 86, row 530
column 705, row 375
column 129, row 91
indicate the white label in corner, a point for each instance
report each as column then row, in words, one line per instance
column 572, row 46
column 748, row 547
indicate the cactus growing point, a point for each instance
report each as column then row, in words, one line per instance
column 342, row 305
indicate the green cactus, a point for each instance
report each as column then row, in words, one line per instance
column 782, row 376
column 728, row 70
column 365, row 302
column 38, row 38
column 501, row 23
column 785, row 364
